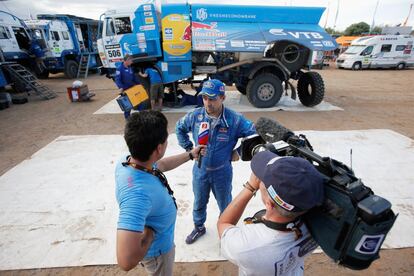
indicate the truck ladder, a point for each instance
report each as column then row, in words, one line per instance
column 84, row 65
column 21, row 74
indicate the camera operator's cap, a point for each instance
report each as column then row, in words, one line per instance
column 213, row 88
column 292, row 182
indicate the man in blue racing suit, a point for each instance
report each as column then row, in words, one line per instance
column 215, row 173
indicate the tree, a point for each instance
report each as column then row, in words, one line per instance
column 376, row 30
column 357, row 29
column 333, row 32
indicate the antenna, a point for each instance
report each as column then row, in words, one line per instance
column 327, row 16
column 373, row 18
column 336, row 16
column 408, row 16
column 350, row 157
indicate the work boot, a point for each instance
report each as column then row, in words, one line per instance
column 197, row 232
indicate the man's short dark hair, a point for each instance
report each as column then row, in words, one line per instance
column 126, row 57
column 144, row 131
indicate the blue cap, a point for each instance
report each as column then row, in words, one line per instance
column 292, row 182
column 213, row 88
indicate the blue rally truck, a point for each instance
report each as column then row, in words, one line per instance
column 66, row 39
column 256, row 48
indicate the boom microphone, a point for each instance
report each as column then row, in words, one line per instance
column 271, row 131
column 203, row 134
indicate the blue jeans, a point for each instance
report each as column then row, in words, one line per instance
column 219, row 182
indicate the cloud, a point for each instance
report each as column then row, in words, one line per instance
column 391, row 12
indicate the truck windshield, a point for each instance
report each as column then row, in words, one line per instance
column 356, row 49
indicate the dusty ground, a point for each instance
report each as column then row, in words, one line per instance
column 371, row 100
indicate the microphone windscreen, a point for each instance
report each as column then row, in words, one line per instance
column 203, row 133
column 271, row 131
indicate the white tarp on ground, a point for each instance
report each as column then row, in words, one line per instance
column 236, row 101
column 58, row 207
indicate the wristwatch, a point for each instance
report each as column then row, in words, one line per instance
column 190, row 155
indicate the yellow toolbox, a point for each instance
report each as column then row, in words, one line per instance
column 136, row 94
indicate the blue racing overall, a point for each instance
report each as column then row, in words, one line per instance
column 216, row 171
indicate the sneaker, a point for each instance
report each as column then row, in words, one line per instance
column 195, row 234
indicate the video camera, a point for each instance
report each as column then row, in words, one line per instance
column 352, row 223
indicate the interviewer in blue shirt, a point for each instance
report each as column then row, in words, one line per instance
column 147, row 208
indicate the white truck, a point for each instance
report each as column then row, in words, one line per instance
column 381, row 51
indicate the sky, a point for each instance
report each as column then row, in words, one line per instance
column 389, row 12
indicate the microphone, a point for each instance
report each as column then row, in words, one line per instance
column 203, row 134
column 271, row 131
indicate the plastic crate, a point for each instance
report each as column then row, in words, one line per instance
column 79, row 94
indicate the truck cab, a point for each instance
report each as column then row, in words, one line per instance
column 65, row 38
column 255, row 48
column 15, row 41
column 382, row 51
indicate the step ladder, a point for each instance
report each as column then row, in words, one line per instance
column 83, row 68
column 19, row 73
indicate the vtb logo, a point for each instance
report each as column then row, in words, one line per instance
column 202, row 14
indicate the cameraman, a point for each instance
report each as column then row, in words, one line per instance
column 289, row 186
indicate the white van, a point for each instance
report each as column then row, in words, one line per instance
column 381, row 51
column 317, row 60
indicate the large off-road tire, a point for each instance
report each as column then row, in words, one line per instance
column 311, row 89
column 71, row 69
column 264, row 90
column 292, row 55
column 241, row 88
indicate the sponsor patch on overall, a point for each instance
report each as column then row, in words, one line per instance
column 222, row 138
column 200, row 117
column 223, row 130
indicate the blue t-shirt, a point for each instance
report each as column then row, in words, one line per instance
column 144, row 201
column 153, row 75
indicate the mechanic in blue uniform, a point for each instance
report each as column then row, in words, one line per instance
column 125, row 78
column 156, row 87
column 216, row 172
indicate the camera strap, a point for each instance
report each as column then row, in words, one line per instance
column 292, row 226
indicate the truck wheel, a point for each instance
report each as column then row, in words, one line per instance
column 292, row 55
column 311, row 89
column 400, row 66
column 264, row 90
column 71, row 69
column 356, row 66
column 241, row 88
